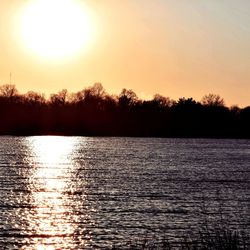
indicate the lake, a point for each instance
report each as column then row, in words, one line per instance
column 83, row 192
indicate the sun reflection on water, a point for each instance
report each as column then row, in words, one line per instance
column 51, row 220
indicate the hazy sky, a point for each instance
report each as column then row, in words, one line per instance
column 178, row 48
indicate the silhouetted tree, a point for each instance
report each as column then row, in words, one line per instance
column 96, row 90
column 60, row 98
column 92, row 111
column 127, row 98
column 186, row 102
column 235, row 110
column 34, row 98
column 89, row 94
column 213, row 100
column 162, row 101
column 8, row 90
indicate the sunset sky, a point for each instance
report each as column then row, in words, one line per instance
column 177, row 48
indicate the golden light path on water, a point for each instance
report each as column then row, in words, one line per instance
column 52, row 216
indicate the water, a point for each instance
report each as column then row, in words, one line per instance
column 79, row 192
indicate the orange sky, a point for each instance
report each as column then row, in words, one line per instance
column 184, row 48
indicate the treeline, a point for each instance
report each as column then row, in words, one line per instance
column 93, row 112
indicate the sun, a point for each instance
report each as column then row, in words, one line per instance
column 55, row 29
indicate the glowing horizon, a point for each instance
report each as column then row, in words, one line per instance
column 174, row 48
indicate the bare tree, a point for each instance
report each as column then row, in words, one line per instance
column 213, row 100
column 34, row 97
column 162, row 101
column 8, row 90
column 90, row 93
column 127, row 97
column 60, row 98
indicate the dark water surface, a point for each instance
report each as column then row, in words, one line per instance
column 81, row 192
